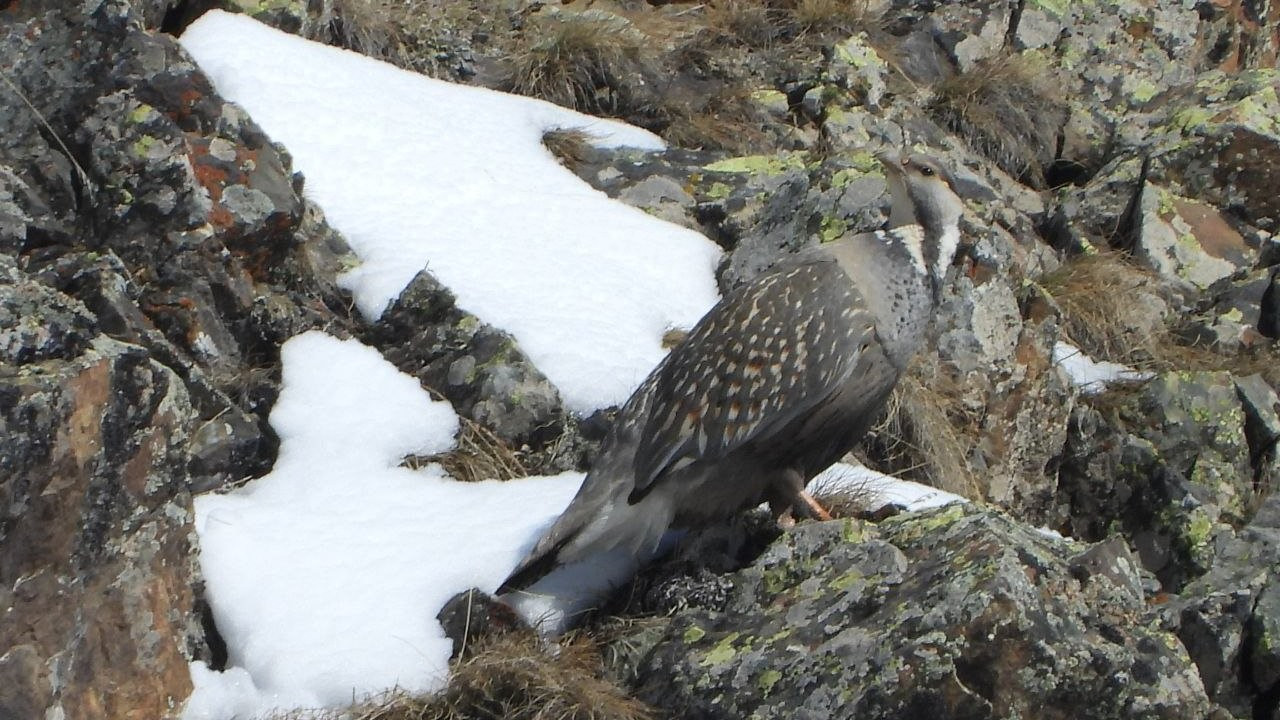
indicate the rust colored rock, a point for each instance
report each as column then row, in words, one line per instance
column 97, row 569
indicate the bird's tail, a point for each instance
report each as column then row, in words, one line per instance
column 535, row 565
column 598, row 520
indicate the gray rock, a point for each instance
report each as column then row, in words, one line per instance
column 1261, row 408
column 958, row 612
column 477, row 367
column 154, row 253
column 1187, row 241
column 1227, row 618
column 38, row 323
column 1232, row 323
column 663, row 198
column 1169, row 468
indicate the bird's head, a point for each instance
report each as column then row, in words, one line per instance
column 923, row 193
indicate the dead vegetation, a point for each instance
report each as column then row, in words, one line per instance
column 727, row 120
column 685, row 71
column 1114, row 310
column 367, row 27
column 479, row 455
column 769, row 23
column 1006, row 108
column 1106, row 304
column 571, row 146
column 594, row 62
column 928, row 431
column 510, row 676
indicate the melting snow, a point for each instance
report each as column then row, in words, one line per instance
column 420, row 173
column 1091, row 376
column 881, row 489
column 325, row 576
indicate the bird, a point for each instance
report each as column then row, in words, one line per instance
column 776, row 382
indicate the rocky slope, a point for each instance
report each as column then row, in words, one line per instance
column 1119, row 159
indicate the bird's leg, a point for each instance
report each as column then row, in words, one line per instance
column 812, row 507
column 789, row 501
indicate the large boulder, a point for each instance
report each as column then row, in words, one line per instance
column 1167, row 466
column 1229, row 619
column 958, row 612
column 98, row 571
column 154, row 252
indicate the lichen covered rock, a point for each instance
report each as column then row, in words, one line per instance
column 958, row 612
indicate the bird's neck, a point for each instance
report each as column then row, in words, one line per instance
column 890, row 269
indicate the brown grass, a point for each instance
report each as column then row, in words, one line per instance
column 749, row 22
column 836, row 17
column 727, row 119
column 765, row 24
column 571, row 146
column 1008, row 109
column 928, row 431
column 479, row 455
column 1100, row 298
column 1104, row 302
column 367, row 27
column 513, row 677
column 588, row 61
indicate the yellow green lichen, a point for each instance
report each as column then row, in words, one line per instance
column 140, row 113
column 847, row 580
column 771, row 100
column 832, row 228
column 1190, row 119
column 718, row 191
column 759, row 164
column 1199, row 529
column 767, row 680
column 853, row 531
column 1143, row 90
column 253, row 7
column 693, row 635
column 143, row 145
column 723, row 652
column 858, row 54
column 1057, row 8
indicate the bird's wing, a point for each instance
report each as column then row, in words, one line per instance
column 768, row 353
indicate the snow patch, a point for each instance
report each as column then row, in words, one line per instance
column 881, row 489
column 1092, row 376
column 420, row 173
column 325, row 575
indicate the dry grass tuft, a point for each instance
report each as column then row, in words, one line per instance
column 840, row 17
column 367, row 27
column 764, row 24
column 593, row 62
column 1005, row 108
column 1110, row 308
column 513, row 677
column 571, row 146
column 479, row 455
column 727, row 120
column 1106, row 308
column 749, row 22
column 928, row 431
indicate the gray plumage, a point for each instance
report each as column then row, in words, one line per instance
column 774, row 384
